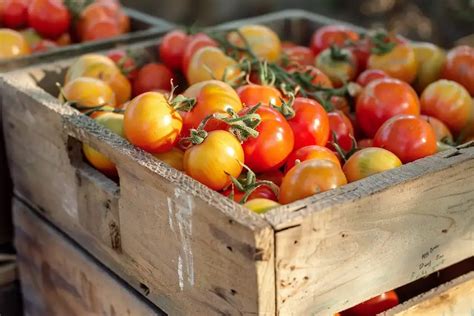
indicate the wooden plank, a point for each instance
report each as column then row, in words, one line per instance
column 59, row 279
column 8, row 273
column 182, row 245
column 451, row 299
column 374, row 235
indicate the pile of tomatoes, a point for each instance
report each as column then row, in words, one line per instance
column 38, row 25
column 267, row 122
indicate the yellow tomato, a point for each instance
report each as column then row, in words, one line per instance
column 261, row 205
column 12, row 44
column 114, row 122
column 430, row 59
column 174, row 158
column 262, row 41
column 89, row 92
column 211, row 63
column 399, row 63
column 369, row 161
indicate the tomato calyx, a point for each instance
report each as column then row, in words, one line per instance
column 338, row 54
column 248, row 183
column 180, row 102
column 76, row 7
column 345, row 155
column 382, row 43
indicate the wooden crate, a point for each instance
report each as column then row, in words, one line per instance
column 57, row 278
column 188, row 249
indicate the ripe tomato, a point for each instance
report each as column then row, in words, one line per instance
column 430, row 59
column 89, row 92
column 43, row 45
column 50, row 18
column 211, row 63
column 260, row 192
column 171, row 49
column 275, row 176
column 441, row 130
column 449, row 102
column 299, row 55
column 399, row 63
column 211, row 97
column 374, row 306
column 125, row 63
column 382, row 99
column 64, row 40
column 341, row 104
column 151, row 124
column 213, row 161
column 361, row 50
column 261, row 206
column 114, row 122
column 369, row 161
column 252, row 94
column 263, row 42
column 329, row 35
column 370, row 75
column 152, row 77
column 340, row 125
column 274, row 143
column 195, row 43
column 407, row 136
column 459, row 67
column 174, row 158
column 12, row 44
column 310, row 152
column 310, row 124
column 310, row 177
column 339, row 66
column 364, row 143
column 319, row 78
column 102, row 28
column 15, row 13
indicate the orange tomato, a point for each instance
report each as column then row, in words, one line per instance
column 89, row 92
column 213, row 161
column 369, row 161
column 151, row 124
column 441, row 130
column 399, row 63
column 449, row 102
column 310, row 177
column 261, row 206
column 310, row 152
column 12, row 44
column 459, row 67
column 252, row 94
column 174, row 158
column 264, row 42
column 211, row 63
column 114, row 122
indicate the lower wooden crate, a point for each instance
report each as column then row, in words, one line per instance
column 57, row 278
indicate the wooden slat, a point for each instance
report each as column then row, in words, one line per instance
column 374, row 235
column 58, row 279
column 182, row 245
column 454, row 298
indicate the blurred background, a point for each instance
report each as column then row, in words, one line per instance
column 443, row 22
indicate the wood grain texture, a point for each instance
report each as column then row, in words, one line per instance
column 59, row 279
column 454, row 298
column 182, row 245
column 375, row 235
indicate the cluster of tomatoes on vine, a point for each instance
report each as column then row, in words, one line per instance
column 267, row 122
column 38, row 25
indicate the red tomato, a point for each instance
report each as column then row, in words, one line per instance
column 459, row 67
column 407, row 136
column 310, row 124
column 370, row 75
column 300, row 55
column 361, row 51
column 172, row 48
column 196, row 42
column 383, row 99
column 365, row 143
column 310, row 152
column 331, row 35
column 342, row 127
column 15, row 13
column 310, row 177
column 274, row 143
column 125, row 63
column 252, row 94
column 50, row 18
column 374, row 306
column 275, row 176
column 341, row 104
column 261, row 192
column 152, row 77
column 213, row 161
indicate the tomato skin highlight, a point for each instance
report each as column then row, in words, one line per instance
column 261, row 205
column 374, row 306
column 407, row 136
column 270, row 149
column 310, row 124
column 310, row 177
column 449, row 102
column 382, row 99
column 12, row 44
column 459, row 67
column 151, row 124
column 310, row 152
column 172, row 47
column 369, row 161
column 215, row 159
